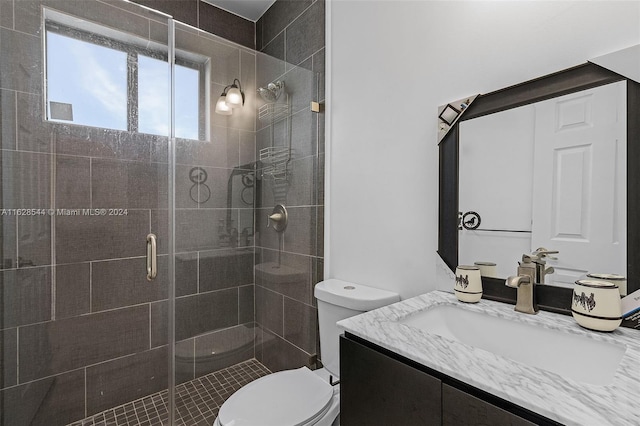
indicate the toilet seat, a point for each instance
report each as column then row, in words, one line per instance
column 292, row 397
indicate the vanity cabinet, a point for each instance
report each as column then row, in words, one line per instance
column 460, row 408
column 378, row 387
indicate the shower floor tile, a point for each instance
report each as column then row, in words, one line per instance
column 197, row 401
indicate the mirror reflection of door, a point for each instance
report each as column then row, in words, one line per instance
column 551, row 174
column 579, row 182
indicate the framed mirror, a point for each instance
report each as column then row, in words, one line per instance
column 517, row 178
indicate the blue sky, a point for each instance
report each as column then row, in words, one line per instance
column 93, row 79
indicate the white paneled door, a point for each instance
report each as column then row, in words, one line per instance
column 579, row 182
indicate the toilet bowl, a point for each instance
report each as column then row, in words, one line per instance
column 298, row 397
column 301, row 397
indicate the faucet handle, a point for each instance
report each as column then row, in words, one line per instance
column 515, row 281
column 542, row 252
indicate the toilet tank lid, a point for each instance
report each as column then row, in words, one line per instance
column 353, row 296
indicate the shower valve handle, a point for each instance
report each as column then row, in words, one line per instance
column 279, row 218
column 276, row 217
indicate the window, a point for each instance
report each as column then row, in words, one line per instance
column 98, row 81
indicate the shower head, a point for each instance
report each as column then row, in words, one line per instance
column 272, row 92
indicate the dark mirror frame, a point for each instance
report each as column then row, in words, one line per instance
column 582, row 77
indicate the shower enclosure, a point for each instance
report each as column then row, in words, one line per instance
column 115, row 169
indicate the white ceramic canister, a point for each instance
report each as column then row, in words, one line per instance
column 487, row 269
column 616, row 279
column 468, row 285
column 596, row 305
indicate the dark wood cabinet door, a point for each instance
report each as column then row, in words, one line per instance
column 378, row 390
column 460, row 408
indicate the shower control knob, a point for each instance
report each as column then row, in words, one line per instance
column 279, row 218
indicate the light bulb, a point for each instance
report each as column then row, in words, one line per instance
column 234, row 97
column 221, row 106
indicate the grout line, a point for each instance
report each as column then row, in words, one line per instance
column 17, row 356
column 90, row 287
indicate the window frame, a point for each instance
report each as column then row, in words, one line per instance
column 133, row 51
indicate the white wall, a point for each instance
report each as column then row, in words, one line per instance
column 390, row 64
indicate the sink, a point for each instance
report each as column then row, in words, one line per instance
column 574, row 357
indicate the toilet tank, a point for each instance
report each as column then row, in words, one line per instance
column 338, row 300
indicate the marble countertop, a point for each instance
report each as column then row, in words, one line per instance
column 546, row 393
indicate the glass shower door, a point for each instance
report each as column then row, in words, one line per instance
column 84, row 91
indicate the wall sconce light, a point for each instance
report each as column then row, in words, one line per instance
column 232, row 97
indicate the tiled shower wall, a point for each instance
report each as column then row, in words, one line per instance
column 286, row 311
column 81, row 329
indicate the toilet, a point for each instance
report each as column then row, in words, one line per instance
column 302, row 397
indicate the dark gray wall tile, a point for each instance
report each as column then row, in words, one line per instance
column 126, row 379
column 73, row 182
column 123, row 282
column 21, row 65
column 206, row 312
column 319, row 181
column 32, row 133
column 269, row 306
column 276, row 47
column 226, row 25
column 319, row 69
column 279, row 15
column 73, row 290
column 195, row 315
column 160, row 227
column 265, row 237
column 55, row 400
column 185, row 361
column 259, row 39
column 7, row 119
column 100, row 143
column 63, row 345
column 186, row 273
column 83, row 238
column 225, row 269
column 182, row 10
column 268, row 69
column 159, row 150
column 200, row 229
column 300, row 324
column 247, row 147
column 34, row 240
column 305, row 35
column 278, row 354
column 6, row 13
column 223, row 348
column 300, row 236
column 8, row 358
column 246, row 304
column 29, row 177
column 320, row 230
column 221, row 151
column 302, row 182
column 128, row 184
column 211, row 193
column 306, row 64
column 290, row 277
column 301, row 87
column 133, row 21
column 9, row 242
column 26, row 296
column 159, row 323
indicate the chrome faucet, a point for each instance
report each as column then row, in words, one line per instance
column 538, row 257
column 525, row 283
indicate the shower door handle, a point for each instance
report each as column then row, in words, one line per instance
column 152, row 260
